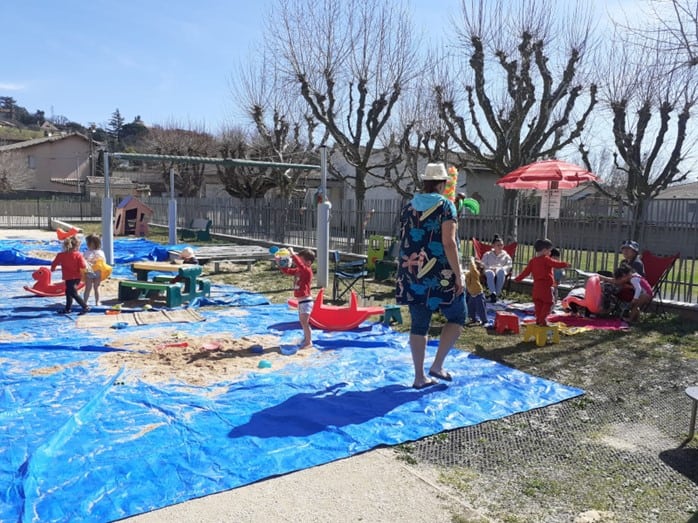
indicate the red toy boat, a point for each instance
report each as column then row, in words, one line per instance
column 44, row 286
column 335, row 318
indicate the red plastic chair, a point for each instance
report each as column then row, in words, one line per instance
column 656, row 270
column 481, row 248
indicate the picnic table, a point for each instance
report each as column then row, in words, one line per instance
column 194, row 286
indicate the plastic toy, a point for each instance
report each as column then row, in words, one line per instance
column 589, row 298
column 264, row 364
column 44, row 286
column 335, row 318
column 467, row 203
column 450, row 190
column 282, row 256
column 62, row 235
column 102, row 266
column 541, row 333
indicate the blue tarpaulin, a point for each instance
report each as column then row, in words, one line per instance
column 77, row 445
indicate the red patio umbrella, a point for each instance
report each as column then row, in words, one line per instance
column 546, row 175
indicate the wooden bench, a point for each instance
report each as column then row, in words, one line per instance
column 247, row 261
column 133, row 290
column 199, row 229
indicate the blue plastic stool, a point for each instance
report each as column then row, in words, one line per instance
column 391, row 313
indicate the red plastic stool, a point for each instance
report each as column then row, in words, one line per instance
column 506, row 322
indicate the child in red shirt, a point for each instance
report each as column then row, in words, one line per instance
column 71, row 262
column 541, row 267
column 302, row 273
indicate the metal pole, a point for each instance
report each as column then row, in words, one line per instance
column 107, row 213
column 323, row 223
column 172, row 211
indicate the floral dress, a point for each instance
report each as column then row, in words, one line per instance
column 424, row 275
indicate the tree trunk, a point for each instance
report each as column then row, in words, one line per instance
column 510, row 212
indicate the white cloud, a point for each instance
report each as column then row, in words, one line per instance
column 11, row 87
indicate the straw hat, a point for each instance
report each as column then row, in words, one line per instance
column 435, row 172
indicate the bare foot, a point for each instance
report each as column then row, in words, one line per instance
column 306, row 345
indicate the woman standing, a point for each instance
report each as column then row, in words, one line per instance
column 429, row 276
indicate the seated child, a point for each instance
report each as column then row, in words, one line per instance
column 642, row 290
column 475, row 297
column 187, row 256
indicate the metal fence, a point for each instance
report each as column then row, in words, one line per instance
column 588, row 232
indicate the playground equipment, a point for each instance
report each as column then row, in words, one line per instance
column 132, row 217
column 62, row 235
column 336, row 318
column 44, row 286
column 589, row 299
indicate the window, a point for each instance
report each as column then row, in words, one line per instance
column 31, row 162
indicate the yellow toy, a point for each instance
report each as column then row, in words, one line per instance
column 100, row 266
column 540, row 333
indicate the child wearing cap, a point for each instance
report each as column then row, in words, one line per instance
column 630, row 251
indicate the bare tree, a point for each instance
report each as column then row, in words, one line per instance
column 173, row 139
column 241, row 181
column 650, row 102
column 669, row 26
column 14, row 172
column 416, row 136
column 350, row 61
column 284, row 132
column 522, row 82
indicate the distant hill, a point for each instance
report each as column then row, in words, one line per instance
column 12, row 133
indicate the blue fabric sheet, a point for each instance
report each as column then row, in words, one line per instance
column 79, row 446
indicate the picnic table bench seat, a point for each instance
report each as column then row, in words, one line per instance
column 136, row 289
column 198, row 229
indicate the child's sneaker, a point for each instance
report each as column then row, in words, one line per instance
column 84, row 311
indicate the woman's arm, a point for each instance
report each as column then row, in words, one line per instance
column 448, row 239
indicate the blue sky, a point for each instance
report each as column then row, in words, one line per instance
column 165, row 60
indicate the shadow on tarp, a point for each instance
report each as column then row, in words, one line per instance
column 331, row 407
